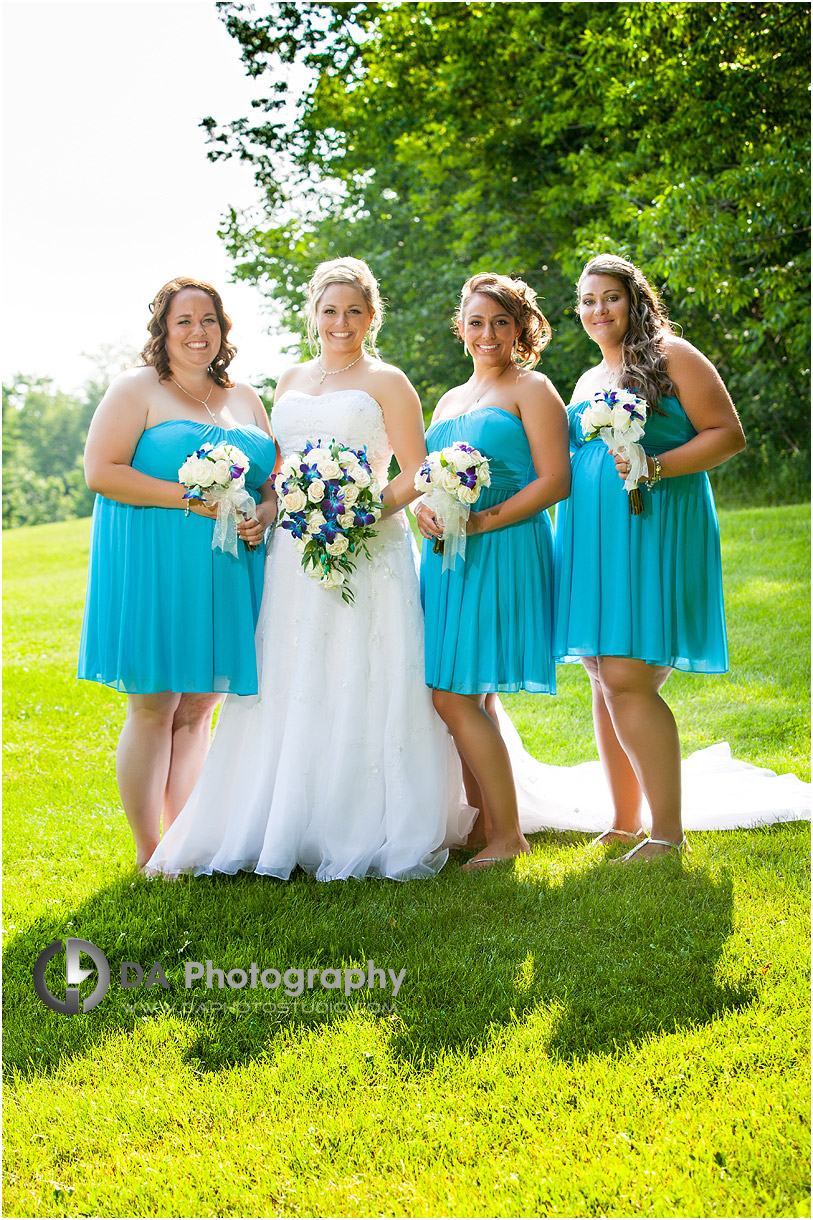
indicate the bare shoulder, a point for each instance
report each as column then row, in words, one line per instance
column 587, row 383
column 684, row 357
column 294, row 376
column 535, row 389
column 131, row 391
column 388, row 377
column 247, row 396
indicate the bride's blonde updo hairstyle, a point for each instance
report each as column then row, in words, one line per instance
column 517, row 299
column 356, row 274
column 643, row 350
column 155, row 351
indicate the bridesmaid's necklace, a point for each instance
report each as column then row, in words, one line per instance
column 491, row 384
column 203, row 401
column 612, row 374
column 335, row 372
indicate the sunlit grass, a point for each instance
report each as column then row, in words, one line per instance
column 568, row 1039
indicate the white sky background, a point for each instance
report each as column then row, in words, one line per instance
column 107, row 191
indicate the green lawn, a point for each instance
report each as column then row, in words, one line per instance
column 568, row 1039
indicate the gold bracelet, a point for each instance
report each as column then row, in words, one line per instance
column 656, row 473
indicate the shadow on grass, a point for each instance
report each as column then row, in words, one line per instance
column 613, row 955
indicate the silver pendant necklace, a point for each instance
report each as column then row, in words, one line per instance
column 335, row 372
column 491, row 384
column 203, row 401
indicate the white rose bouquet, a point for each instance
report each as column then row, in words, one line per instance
column 452, row 480
column 217, row 475
column 330, row 501
column 617, row 417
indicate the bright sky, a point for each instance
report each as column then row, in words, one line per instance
column 107, row 191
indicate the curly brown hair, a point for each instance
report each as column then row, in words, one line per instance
column 517, row 299
column 155, row 351
column 643, row 350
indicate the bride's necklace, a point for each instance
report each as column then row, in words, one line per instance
column 334, row 372
column 203, row 401
column 491, row 384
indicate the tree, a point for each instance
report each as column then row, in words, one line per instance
column 439, row 139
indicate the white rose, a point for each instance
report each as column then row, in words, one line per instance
column 449, row 481
column 462, row 461
column 360, row 477
column 316, row 491
column 315, row 519
column 350, row 494
column 206, row 474
column 329, row 468
column 332, row 580
column 294, row 501
column 338, row 546
column 347, row 520
column 347, row 457
column 621, row 419
column 599, row 417
column 468, row 495
column 299, row 543
column 290, row 465
column 221, row 471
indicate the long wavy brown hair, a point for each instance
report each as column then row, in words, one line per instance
column 643, row 350
column 517, row 299
column 155, row 351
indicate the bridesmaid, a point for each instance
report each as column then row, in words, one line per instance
column 167, row 619
column 489, row 620
column 639, row 596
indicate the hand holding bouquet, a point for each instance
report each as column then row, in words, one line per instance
column 217, row 475
column 617, row 417
column 330, row 501
column 452, row 480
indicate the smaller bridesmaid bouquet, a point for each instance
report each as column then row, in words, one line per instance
column 451, row 480
column 330, row 502
column 617, row 417
column 217, row 475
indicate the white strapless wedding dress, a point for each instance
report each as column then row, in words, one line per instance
column 340, row 764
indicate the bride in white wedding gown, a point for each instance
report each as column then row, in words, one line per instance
column 340, row 765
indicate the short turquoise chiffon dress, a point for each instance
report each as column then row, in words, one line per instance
column 650, row 586
column 489, row 620
column 163, row 611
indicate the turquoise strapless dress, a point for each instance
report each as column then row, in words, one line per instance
column 489, row 621
column 163, row 611
column 650, row 586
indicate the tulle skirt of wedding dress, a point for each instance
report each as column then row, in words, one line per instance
column 719, row 792
column 340, row 765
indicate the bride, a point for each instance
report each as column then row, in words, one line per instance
column 339, row 765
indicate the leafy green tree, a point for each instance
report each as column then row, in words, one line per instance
column 44, row 433
column 440, row 139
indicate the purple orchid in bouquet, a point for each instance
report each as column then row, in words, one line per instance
column 330, row 502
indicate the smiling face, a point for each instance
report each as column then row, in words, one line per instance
column 193, row 332
column 342, row 319
column 488, row 330
column 604, row 309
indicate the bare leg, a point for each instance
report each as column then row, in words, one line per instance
column 483, row 750
column 191, row 733
column 142, row 766
column 480, row 832
column 646, row 729
column 621, row 778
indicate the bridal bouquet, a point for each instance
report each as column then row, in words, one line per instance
column 452, row 480
column 330, row 501
column 217, row 475
column 617, row 417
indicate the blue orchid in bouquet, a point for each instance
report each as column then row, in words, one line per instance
column 330, row 502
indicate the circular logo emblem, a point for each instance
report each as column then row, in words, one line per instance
column 74, row 974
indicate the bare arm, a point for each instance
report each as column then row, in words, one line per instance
column 404, row 423
column 710, row 410
column 114, row 433
column 544, row 419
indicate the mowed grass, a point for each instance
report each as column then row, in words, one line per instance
column 568, row 1039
